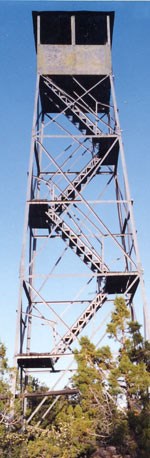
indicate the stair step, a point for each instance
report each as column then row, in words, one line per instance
column 81, row 125
column 68, row 190
column 83, row 122
column 80, row 248
column 83, row 180
column 89, row 255
column 82, row 321
column 67, row 339
column 88, row 169
column 74, row 239
column 78, row 188
column 74, row 117
column 95, row 266
column 76, row 110
column 67, row 232
column 71, row 243
column 58, row 230
column 86, row 259
column 79, row 251
column 63, row 97
column 71, row 193
column 83, row 118
column 98, row 263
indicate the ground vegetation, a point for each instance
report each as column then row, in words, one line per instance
column 108, row 417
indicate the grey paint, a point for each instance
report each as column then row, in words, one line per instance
column 74, row 60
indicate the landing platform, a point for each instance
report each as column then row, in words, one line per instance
column 120, row 282
column 35, row 361
column 37, row 215
column 104, row 145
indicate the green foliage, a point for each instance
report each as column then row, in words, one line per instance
column 5, row 394
column 12, row 444
column 130, row 378
column 139, row 424
column 77, row 425
column 3, row 359
column 91, row 379
column 117, row 327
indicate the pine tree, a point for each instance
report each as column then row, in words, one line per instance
column 130, row 379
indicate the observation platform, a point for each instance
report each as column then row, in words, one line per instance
column 74, row 44
column 56, row 27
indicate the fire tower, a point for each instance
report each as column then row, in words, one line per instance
column 79, row 247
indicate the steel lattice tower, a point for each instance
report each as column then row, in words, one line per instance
column 80, row 247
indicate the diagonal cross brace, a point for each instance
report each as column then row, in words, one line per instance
column 73, row 105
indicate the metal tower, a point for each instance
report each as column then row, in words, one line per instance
column 79, row 247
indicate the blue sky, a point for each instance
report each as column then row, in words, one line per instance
column 131, row 66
